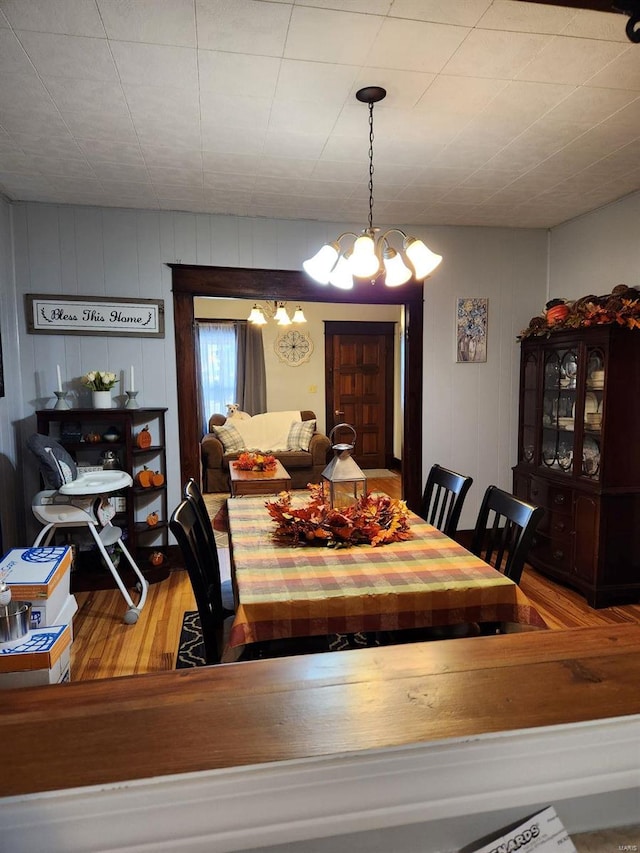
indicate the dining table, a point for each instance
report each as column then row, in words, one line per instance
column 428, row 580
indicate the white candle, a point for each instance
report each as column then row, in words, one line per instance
column 133, row 384
column 59, row 377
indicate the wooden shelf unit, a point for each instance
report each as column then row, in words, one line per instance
column 139, row 502
column 579, row 458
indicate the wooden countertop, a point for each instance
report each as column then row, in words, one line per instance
column 138, row 727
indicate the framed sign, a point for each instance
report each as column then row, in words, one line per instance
column 471, row 329
column 94, row 315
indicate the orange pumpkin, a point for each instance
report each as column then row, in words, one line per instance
column 143, row 478
column 156, row 558
column 143, row 439
column 152, row 519
column 94, row 437
column 157, row 479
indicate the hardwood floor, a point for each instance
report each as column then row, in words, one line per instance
column 105, row 647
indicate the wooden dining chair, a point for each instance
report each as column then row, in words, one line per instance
column 192, row 493
column 504, row 531
column 443, row 497
column 185, row 526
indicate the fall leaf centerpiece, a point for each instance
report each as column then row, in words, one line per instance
column 248, row 461
column 372, row 520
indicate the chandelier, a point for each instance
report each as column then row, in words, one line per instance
column 276, row 311
column 370, row 254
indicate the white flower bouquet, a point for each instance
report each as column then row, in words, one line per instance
column 99, row 380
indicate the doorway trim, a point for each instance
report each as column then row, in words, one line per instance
column 191, row 280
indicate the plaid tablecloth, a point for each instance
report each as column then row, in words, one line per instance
column 429, row 580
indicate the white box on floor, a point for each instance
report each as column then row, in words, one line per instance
column 42, row 657
column 64, row 616
column 39, row 575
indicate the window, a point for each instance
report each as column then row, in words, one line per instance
column 218, row 347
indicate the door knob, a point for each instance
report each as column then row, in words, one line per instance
column 338, row 413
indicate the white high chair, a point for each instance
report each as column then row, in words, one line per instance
column 82, row 500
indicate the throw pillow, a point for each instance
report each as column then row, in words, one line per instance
column 231, row 439
column 300, row 435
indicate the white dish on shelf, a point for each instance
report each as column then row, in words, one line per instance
column 591, row 405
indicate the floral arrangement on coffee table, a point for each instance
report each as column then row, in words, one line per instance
column 372, row 520
column 620, row 307
column 248, row 461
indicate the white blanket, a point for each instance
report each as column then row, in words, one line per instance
column 268, row 431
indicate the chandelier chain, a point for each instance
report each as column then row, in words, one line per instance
column 371, row 166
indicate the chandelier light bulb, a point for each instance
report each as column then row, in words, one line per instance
column 396, row 271
column 281, row 316
column 364, row 262
column 298, row 316
column 341, row 275
column 424, row 261
column 320, row 265
column 256, row 316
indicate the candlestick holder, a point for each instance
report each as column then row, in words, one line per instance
column 61, row 402
column 131, row 403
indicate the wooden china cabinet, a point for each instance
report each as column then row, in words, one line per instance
column 579, row 458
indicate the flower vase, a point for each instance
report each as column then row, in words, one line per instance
column 101, row 399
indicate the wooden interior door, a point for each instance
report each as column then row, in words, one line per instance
column 359, row 387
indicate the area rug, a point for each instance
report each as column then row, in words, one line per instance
column 191, row 648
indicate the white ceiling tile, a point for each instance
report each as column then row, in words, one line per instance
column 155, row 65
column 234, row 112
column 245, row 164
column 148, row 102
column 106, row 171
column 591, row 105
column 415, row 45
column 465, row 13
column 4, row 23
column 370, row 7
column 622, row 73
column 280, row 166
column 15, row 161
column 13, row 58
column 235, row 182
column 74, row 94
column 466, row 95
column 238, row 74
column 36, row 122
column 282, row 186
column 571, row 60
column 97, row 151
column 303, row 117
column 232, row 140
column 48, row 144
column 329, row 36
column 242, row 26
column 69, row 56
column 128, row 189
column 100, row 125
column 172, row 158
column 487, row 53
column 184, row 177
column 23, row 91
column 16, row 183
column 66, row 17
column 527, row 101
column 597, row 25
column 526, row 17
column 170, row 133
column 154, row 21
column 297, row 145
column 69, row 184
column 315, row 82
column 71, row 167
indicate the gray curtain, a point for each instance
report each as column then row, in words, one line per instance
column 251, row 376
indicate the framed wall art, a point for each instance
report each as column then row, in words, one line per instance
column 94, row 315
column 471, row 329
column 293, row 347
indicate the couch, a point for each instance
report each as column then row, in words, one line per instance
column 304, row 465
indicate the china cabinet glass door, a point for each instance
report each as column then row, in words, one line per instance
column 558, row 409
column 593, row 413
column 529, row 407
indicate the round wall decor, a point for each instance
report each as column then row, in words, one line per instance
column 294, row 347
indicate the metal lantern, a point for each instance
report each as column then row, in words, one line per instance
column 343, row 481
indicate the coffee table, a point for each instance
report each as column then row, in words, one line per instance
column 259, row 482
